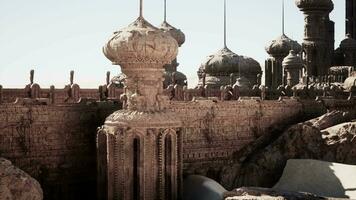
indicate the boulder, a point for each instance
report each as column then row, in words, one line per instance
column 255, row 193
column 322, row 138
column 319, row 177
column 202, row 188
column 15, row 184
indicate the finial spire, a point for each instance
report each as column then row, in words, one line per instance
column 165, row 10
column 32, row 75
column 225, row 24
column 141, row 8
column 283, row 17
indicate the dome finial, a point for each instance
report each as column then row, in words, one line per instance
column 283, row 17
column 225, row 46
column 141, row 8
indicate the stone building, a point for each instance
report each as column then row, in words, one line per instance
column 145, row 142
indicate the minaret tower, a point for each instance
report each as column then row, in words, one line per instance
column 351, row 18
column 138, row 147
column 278, row 49
column 171, row 69
column 318, row 36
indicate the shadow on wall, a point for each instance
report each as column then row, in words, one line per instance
column 320, row 178
column 202, row 188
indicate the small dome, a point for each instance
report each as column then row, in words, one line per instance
column 141, row 42
column 292, row 60
column 326, row 5
column 179, row 77
column 348, row 43
column 177, row 34
column 281, row 46
column 226, row 62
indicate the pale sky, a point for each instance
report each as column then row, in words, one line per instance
column 53, row 37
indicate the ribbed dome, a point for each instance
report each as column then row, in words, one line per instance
column 225, row 62
column 348, row 43
column 292, row 60
column 281, row 46
column 141, row 42
column 177, row 34
column 315, row 5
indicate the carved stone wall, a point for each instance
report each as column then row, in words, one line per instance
column 54, row 144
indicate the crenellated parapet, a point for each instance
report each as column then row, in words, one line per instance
column 33, row 93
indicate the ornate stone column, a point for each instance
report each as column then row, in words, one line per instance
column 138, row 146
column 318, row 36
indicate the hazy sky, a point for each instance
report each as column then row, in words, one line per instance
column 56, row 36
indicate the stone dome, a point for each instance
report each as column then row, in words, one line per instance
column 348, row 43
column 179, row 77
column 226, row 62
column 292, row 60
column 281, row 46
column 177, row 34
column 141, row 42
column 327, row 5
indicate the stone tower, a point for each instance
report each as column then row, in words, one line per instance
column 138, row 147
column 318, row 44
column 278, row 49
column 351, row 18
column 171, row 75
column 293, row 66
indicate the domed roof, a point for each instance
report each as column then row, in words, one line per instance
column 179, row 76
column 327, row 5
column 177, row 34
column 226, row 62
column 141, row 42
column 292, row 60
column 348, row 43
column 281, row 46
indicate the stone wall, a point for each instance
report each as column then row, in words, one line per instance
column 213, row 131
column 55, row 144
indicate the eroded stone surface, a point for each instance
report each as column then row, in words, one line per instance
column 263, row 166
column 15, row 184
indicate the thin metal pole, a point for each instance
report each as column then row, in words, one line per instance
column 283, row 17
column 165, row 10
column 141, row 8
column 225, row 23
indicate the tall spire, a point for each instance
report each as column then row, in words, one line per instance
column 283, row 17
column 141, row 8
column 225, row 23
column 165, row 10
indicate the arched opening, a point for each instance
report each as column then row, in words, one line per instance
column 136, row 169
column 168, row 165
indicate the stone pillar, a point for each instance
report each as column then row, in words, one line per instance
column 0, row 94
column 274, row 69
column 351, row 18
column 318, row 30
column 52, row 94
column 268, row 72
column 138, row 146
